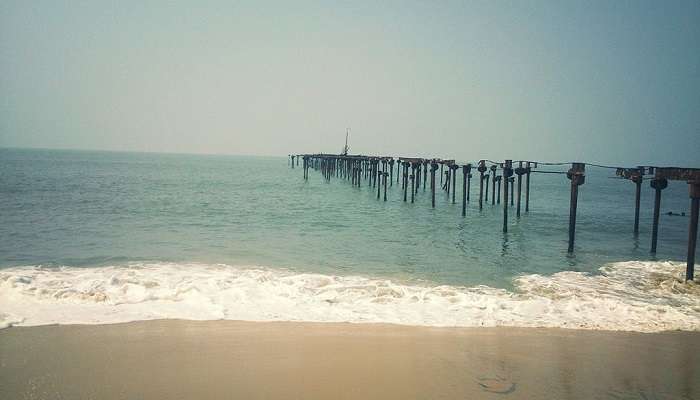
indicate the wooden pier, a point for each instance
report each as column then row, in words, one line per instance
column 378, row 172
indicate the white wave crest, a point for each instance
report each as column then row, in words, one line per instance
column 633, row 296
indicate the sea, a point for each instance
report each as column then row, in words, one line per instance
column 93, row 237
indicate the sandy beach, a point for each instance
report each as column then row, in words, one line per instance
column 175, row 359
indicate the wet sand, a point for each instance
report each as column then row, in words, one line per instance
column 172, row 359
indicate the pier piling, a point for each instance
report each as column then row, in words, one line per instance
column 694, row 189
column 507, row 172
column 578, row 177
column 658, row 184
column 465, row 174
column 481, row 168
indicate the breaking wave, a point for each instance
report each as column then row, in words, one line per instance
column 630, row 296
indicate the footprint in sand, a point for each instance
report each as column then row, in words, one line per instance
column 497, row 385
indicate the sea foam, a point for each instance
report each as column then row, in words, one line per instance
column 631, row 296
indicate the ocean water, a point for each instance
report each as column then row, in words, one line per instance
column 97, row 237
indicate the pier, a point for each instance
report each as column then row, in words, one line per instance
column 412, row 172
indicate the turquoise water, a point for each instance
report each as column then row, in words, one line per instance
column 92, row 209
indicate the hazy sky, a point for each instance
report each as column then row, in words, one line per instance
column 609, row 81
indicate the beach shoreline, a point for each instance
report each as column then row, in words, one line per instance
column 180, row 359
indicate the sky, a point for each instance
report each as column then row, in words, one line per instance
column 615, row 82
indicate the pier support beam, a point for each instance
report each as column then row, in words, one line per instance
column 694, row 189
column 385, row 175
column 658, row 184
column 405, row 181
column 577, row 176
column 433, row 168
column 391, row 171
column 511, row 181
column 520, row 171
column 487, row 177
column 637, row 179
column 453, row 169
column 469, row 182
column 481, row 168
column 413, row 181
column 498, row 192
column 527, row 187
column 493, row 185
column 507, row 172
column 465, row 173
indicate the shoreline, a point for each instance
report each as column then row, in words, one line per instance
column 223, row 359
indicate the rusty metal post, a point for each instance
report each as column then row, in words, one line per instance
column 578, row 177
column 507, row 172
column 658, row 184
column 694, row 189
column 481, row 169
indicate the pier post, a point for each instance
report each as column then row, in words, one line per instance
column 511, row 180
column 469, row 182
column 359, row 174
column 507, row 172
column 417, row 175
column 637, row 179
column 578, row 177
column 520, row 171
column 486, row 192
column 391, row 171
column 658, row 184
column 481, row 168
column 493, row 185
column 694, row 189
column 379, row 175
column 453, row 168
column 413, row 181
column 425, row 173
column 498, row 193
column 527, row 187
column 385, row 175
column 441, row 172
column 405, row 181
column 433, row 168
column 465, row 174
